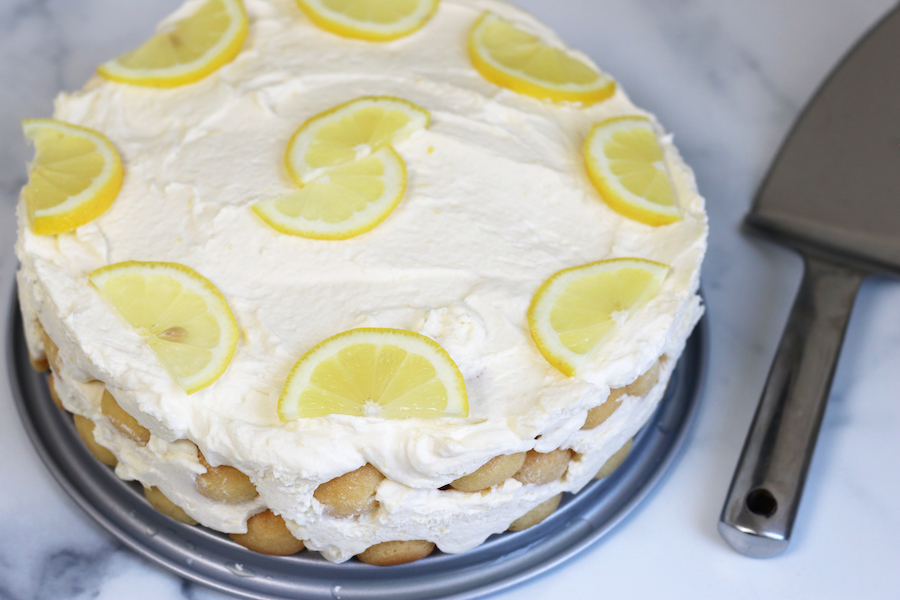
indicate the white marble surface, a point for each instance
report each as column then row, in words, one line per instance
column 727, row 77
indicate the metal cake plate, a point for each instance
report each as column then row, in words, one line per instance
column 212, row 559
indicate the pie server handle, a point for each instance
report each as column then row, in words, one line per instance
column 762, row 502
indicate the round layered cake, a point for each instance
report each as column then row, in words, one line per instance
column 497, row 199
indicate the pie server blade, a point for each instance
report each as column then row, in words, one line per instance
column 833, row 194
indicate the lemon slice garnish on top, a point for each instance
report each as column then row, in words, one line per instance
column 186, row 50
column 627, row 165
column 75, row 176
column 576, row 310
column 349, row 175
column 516, row 59
column 370, row 372
column 349, row 200
column 184, row 318
column 374, row 20
column 349, row 132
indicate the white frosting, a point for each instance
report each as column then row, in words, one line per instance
column 497, row 201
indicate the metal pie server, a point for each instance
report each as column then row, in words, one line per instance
column 833, row 194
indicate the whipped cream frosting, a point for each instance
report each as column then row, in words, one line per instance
column 497, row 201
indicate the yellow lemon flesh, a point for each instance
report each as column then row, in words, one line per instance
column 75, row 176
column 386, row 373
column 373, row 20
column 185, row 50
column 516, row 59
column 349, row 175
column 180, row 313
column 627, row 166
column 576, row 310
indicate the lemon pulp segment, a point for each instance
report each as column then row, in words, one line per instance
column 75, row 176
column 186, row 50
column 575, row 311
column 370, row 372
column 349, row 174
column 182, row 316
column 373, row 20
column 627, row 166
column 516, row 59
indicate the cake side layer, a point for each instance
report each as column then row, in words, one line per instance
column 401, row 512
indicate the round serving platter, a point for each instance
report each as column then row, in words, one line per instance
column 211, row 558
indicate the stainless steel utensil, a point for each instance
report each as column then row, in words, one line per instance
column 833, row 194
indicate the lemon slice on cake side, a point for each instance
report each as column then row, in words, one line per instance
column 576, row 310
column 186, row 50
column 75, row 176
column 182, row 315
column 373, row 20
column 516, row 59
column 626, row 164
column 349, row 175
column 371, row 372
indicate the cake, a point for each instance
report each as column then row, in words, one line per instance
column 497, row 201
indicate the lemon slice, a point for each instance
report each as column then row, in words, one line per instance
column 349, row 175
column 347, row 201
column 183, row 317
column 627, row 166
column 518, row 60
column 186, row 50
column 75, row 176
column 388, row 373
column 349, row 132
column 576, row 310
column 374, row 20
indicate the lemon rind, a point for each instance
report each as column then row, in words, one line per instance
column 447, row 371
column 365, row 220
column 543, row 334
column 333, row 22
column 627, row 204
column 521, row 83
column 222, row 53
column 216, row 303
column 93, row 201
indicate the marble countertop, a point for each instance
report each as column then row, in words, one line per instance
column 727, row 77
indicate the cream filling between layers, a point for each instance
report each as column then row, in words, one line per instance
column 497, row 201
